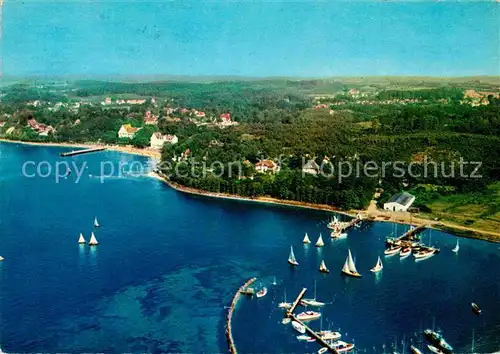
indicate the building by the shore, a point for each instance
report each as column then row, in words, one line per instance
column 158, row 140
column 399, row 202
column 127, row 131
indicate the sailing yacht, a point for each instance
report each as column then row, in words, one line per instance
column 284, row 304
column 415, row 350
column 93, row 240
column 306, row 239
column 1, row 258
column 323, row 268
column 320, row 242
column 378, row 267
column 96, row 223
column 308, row 315
column 349, row 267
column 291, row 258
column 312, row 302
column 456, row 248
column 81, row 239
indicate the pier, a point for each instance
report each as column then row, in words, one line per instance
column 313, row 334
column 80, row 152
column 347, row 225
column 408, row 235
column 229, row 334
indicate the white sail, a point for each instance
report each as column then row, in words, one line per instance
column 457, row 247
column 93, row 240
column 306, row 239
column 322, row 265
column 320, row 242
column 291, row 257
column 379, row 263
column 351, row 265
column 345, row 269
column 81, row 239
column 96, row 223
column 1, row 258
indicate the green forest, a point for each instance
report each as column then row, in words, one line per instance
column 280, row 120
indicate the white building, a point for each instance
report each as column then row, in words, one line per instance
column 267, row 165
column 400, row 202
column 310, row 167
column 157, row 140
column 127, row 131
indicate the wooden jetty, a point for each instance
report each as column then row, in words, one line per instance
column 80, row 152
column 408, row 235
column 229, row 335
column 347, row 225
column 313, row 334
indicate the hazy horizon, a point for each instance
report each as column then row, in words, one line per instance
column 259, row 40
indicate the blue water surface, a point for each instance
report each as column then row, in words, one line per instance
column 168, row 264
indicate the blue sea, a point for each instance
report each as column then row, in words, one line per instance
column 168, row 264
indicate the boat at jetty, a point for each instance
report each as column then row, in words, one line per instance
column 415, row 350
column 81, row 239
column 342, row 346
column 312, row 302
column 424, row 253
column 329, row 335
column 284, row 304
column 262, row 292
column 320, row 242
column 349, row 267
column 96, row 223
column 334, row 223
column 337, row 234
column 391, row 251
column 306, row 239
column 378, row 267
column 456, row 248
column 438, row 341
column 308, row 315
column 306, row 338
column 476, row 309
column 323, row 268
column 299, row 327
column 405, row 252
column 291, row 258
column 93, row 240
column 434, row 349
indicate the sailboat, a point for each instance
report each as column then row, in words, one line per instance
column 81, row 239
column 1, row 258
column 306, row 239
column 96, row 223
column 349, row 267
column 323, row 268
column 312, row 302
column 284, row 304
column 291, row 258
column 93, row 240
column 320, row 242
column 378, row 267
column 456, row 248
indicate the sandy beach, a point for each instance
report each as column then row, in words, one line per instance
column 124, row 149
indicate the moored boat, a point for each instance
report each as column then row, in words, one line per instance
column 299, row 327
column 476, row 309
column 81, row 239
column 415, row 350
column 434, row 349
column 342, row 347
column 320, row 242
column 438, row 341
column 306, row 239
column 306, row 338
column 93, row 240
column 349, row 267
column 424, row 253
column 338, row 234
column 312, row 302
column 284, row 304
column 392, row 250
column 291, row 258
column 378, row 267
column 323, row 268
column 405, row 252
column 308, row 315
column 329, row 335
column 262, row 292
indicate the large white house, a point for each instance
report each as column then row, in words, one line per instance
column 267, row 165
column 400, row 202
column 158, row 139
column 310, row 167
column 127, row 131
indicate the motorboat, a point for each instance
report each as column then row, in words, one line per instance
column 262, row 292
column 308, row 315
column 298, row 327
column 476, row 309
column 329, row 335
column 342, row 346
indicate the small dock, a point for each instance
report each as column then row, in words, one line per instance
column 229, row 334
column 348, row 225
column 408, row 235
column 80, row 152
column 313, row 334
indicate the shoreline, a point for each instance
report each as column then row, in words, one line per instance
column 123, row 149
column 378, row 215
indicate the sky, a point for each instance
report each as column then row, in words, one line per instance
column 249, row 38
